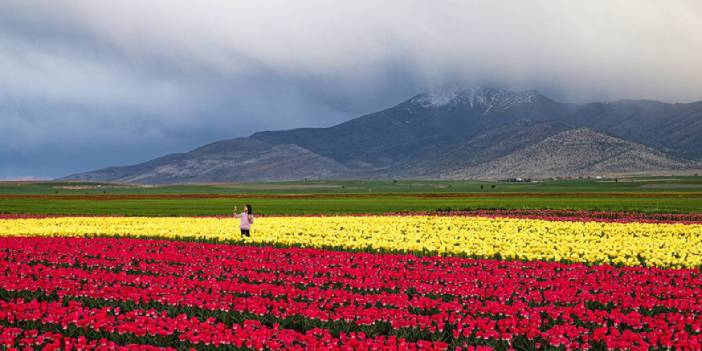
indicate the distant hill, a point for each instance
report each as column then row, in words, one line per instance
column 577, row 152
column 450, row 133
column 242, row 158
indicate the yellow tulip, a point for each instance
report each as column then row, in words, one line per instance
column 656, row 244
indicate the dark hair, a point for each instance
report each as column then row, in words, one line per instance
column 249, row 208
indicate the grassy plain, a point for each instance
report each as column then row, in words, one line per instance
column 645, row 194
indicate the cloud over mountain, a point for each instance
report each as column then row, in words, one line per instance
column 113, row 82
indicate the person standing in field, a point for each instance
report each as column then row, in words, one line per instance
column 247, row 219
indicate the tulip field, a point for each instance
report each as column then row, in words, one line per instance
column 506, row 279
column 664, row 245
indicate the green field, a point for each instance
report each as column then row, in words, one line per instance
column 636, row 185
column 650, row 195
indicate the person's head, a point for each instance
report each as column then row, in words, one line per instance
column 248, row 209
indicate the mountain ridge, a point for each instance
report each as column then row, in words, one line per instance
column 449, row 132
column 585, row 150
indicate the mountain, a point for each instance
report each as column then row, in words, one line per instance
column 577, row 152
column 672, row 128
column 452, row 132
column 241, row 158
column 421, row 125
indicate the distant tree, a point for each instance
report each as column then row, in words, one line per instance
column 493, row 186
column 616, row 180
column 481, row 186
column 394, row 181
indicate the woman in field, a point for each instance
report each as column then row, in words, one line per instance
column 247, row 219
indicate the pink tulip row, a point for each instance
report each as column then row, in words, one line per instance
column 15, row 339
column 583, row 215
column 573, row 306
column 553, row 215
column 151, row 323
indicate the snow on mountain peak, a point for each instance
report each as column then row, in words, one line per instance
column 489, row 99
column 440, row 96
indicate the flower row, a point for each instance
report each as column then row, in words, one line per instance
column 409, row 298
column 12, row 338
column 546, row 214
column 629, row 244
column 151, row 326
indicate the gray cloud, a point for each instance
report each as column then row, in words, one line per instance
column 96, row 83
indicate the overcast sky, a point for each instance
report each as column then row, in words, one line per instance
column 89, row 84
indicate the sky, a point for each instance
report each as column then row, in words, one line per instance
column 90, row 84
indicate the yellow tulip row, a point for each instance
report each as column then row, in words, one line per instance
column 630, row 244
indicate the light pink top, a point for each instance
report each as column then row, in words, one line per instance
column 246, row 220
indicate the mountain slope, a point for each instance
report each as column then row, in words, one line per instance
column 241, row 159
column 425, row 122
column 488, row 146
column 674, row 128
column 453, row 131
column 577, row 152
